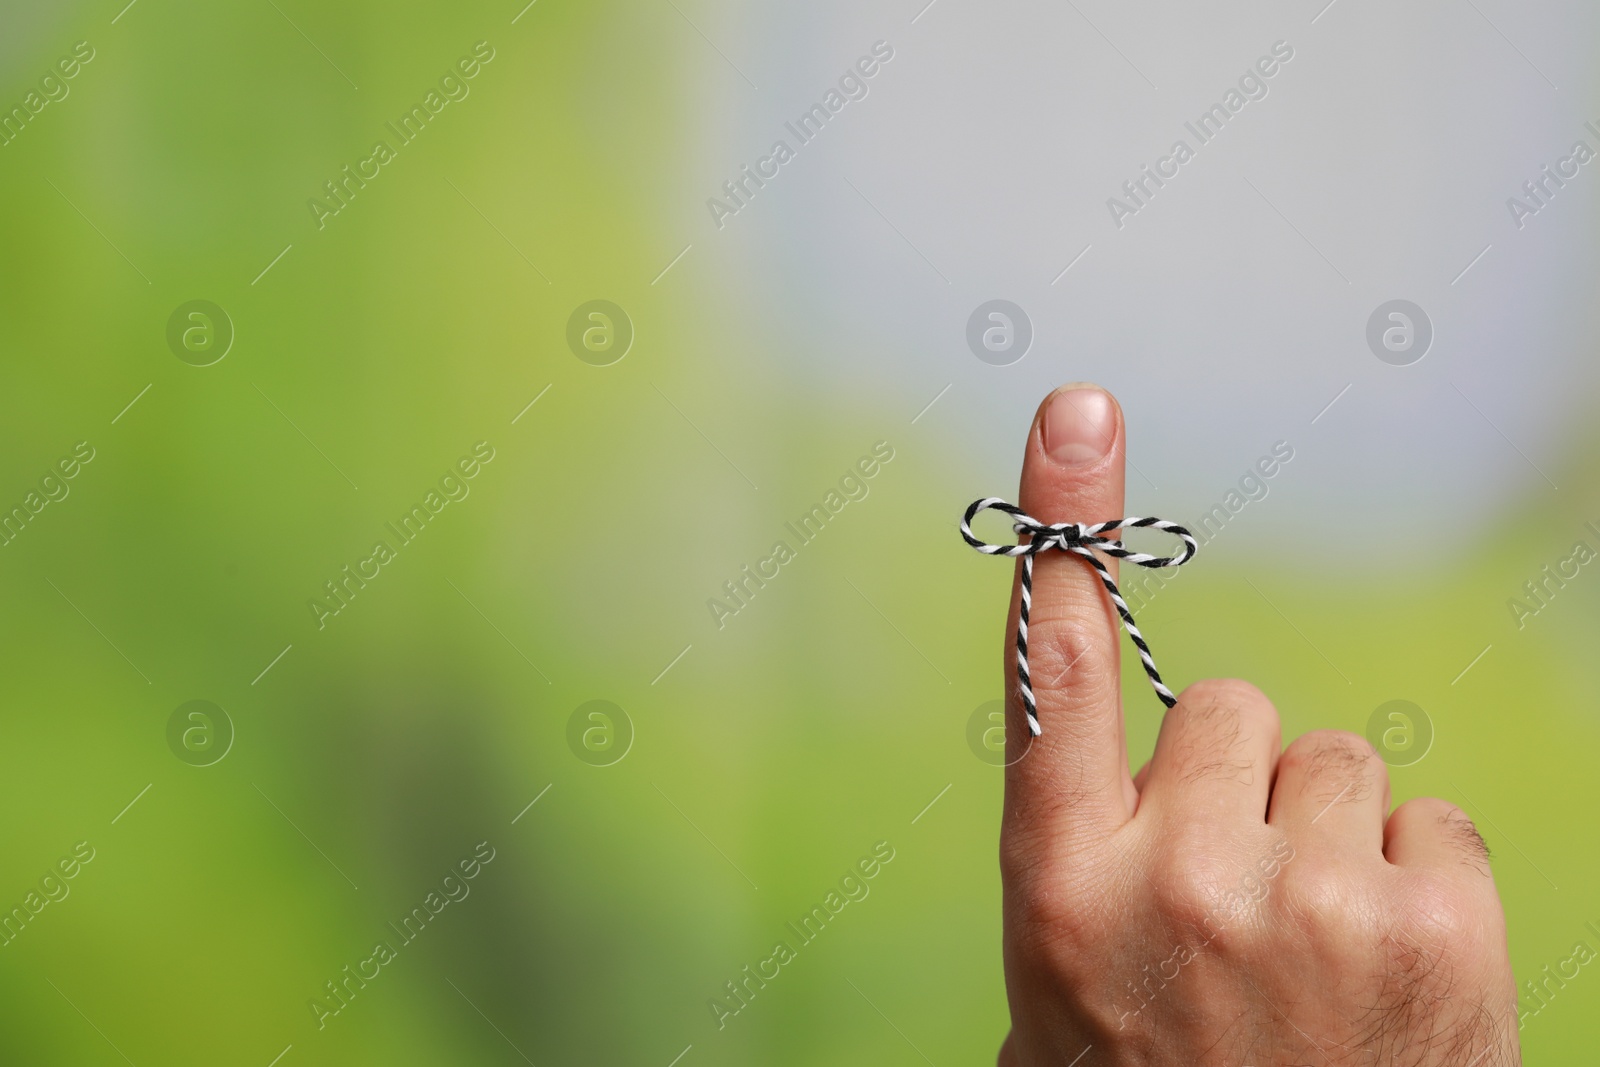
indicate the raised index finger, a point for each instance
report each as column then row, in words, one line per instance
column 1076, row 771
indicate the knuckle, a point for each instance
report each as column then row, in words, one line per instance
column 1335, row 759
column 1445, row 822
column 1425, row 809
column 1212, row 729
column 1317, row 892
column 1199, row 891
column 1461, row 832
column 1439, row 932
column 1229, row 693
column 1437, row 911
column 1067, row 658
column 1220, row 901
column 1330, row 748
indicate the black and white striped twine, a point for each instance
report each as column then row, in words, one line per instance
column 1083, row 540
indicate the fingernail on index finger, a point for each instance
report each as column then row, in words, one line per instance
column 1079, row 426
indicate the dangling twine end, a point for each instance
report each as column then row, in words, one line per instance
column 1033, row 726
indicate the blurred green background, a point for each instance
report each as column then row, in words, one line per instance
column 751, row 765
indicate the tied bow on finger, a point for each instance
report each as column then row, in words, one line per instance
column 1083, row 540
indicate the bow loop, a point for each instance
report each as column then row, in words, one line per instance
column 1083, row 541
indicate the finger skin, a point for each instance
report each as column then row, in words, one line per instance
column 1215, row 756
column 1076, row 772
column 1433, row 834
column 1331, row 785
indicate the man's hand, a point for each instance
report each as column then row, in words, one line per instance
column 1235, row 903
